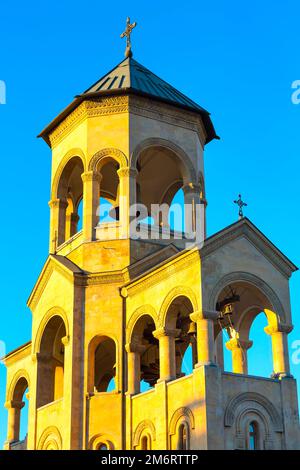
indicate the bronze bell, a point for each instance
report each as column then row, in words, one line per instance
column 192, row 329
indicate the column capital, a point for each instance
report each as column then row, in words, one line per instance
column 135, row 348
column 235, row 343
column 160, row 332
column 14, row 404
column 58, row 203
column 65, row 340
column 204, row 315
column 280, row 328
column 191, row 188
column 127, row 171
column 91, row 176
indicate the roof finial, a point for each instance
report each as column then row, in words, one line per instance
column 127, row 33
column 241, row 204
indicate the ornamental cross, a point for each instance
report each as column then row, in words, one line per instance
column 127, row 33
column 241, row 204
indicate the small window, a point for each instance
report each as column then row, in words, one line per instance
column 183, row 443
column 146, row 443
column 102, row 446
column 252, row 437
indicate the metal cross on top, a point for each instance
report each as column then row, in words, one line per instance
column 127, row 33
column 241, row 204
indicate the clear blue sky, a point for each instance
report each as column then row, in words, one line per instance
column 237, row 59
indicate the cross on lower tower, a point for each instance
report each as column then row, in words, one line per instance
column 241, row 204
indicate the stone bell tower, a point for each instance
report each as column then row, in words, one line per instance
column 114, row 312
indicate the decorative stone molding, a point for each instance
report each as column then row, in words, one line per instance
column 167, row 113
column 185, row 413
column 145, row 425
column 248, row 397
column 99, row 439
column 50, row 439
column 100, row 158
column 20, row 374
column 76, row 152
column 178, row 291
column 137, row 314
column 88, row 109
column 91, row 176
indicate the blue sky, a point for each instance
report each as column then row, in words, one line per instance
column 237, row 59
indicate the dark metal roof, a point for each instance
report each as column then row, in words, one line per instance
column 130, row 77
column 131, row 74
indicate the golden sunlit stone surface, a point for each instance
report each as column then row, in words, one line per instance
column 109, row 309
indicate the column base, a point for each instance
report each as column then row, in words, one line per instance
column 282, row 375
column 209, row 363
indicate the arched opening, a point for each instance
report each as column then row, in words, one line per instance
column 252, row 437
column 146, row 349
column 51, row 362
column 239, row 304
column 102, row 446
column 109, row 192
column 183, row 437
column 176, row 217
column 146, row 442
column 178, row 318
column 156, row 190
column 69, row 193
column 105, row 365
column 18, row 412
column 261, row 348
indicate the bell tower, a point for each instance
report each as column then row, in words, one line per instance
column 131, row 140
column 123, row 297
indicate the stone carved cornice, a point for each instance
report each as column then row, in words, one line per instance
column 93, row 108
column 141, row 106
column 164, row 112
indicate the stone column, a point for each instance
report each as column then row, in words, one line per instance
column 127, row 197
column 13, row 423
column 205, row 336
column 281, row 363
column 57, row 223
column 71, row 224
column 239, row 350
column 167, row 359
column 194, row 211
column 134, row 352
column 91, row 196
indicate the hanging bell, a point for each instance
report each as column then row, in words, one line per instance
column 192, row 329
